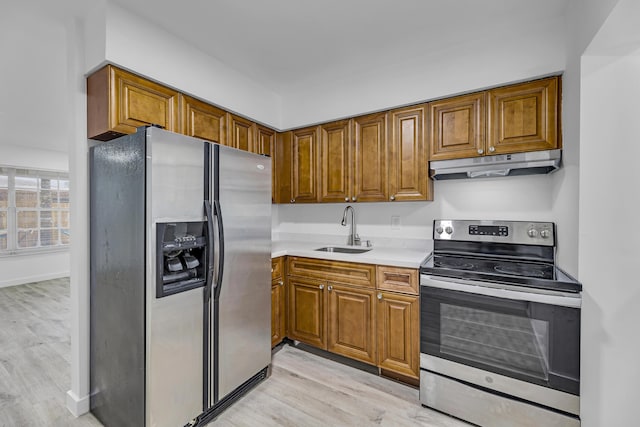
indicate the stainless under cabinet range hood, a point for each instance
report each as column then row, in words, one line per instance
column 531, row 163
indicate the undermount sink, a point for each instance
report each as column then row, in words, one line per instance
column 343, row 250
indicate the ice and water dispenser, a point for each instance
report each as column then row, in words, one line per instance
column 182, row 255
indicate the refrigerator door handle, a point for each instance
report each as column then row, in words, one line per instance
column 210, row 244
column 220, row 270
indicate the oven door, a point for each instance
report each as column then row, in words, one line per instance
column 526, row 336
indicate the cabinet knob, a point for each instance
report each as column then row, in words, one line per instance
column 480, row 151
column 346, row 199
column 392, row 198
column 280, row 283
column 354, row 198
column 492, row 149
column 380, row 296
column 321, row 287
column 293, row 200
column 330, row 288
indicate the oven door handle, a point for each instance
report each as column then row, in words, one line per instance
column 501, row 291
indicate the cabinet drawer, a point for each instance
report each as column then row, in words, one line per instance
column 334, row 271
column 276, row 268
column 398, row 279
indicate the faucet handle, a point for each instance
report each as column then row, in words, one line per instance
column 356, row 240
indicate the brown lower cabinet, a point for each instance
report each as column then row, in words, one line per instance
column 307, row 313
column 278, row 302
column 352, row 322
column 335, row 306
column 399, row 333
column 278, row 314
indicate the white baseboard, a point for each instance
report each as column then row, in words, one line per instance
column 76, row 405
column 31, row 279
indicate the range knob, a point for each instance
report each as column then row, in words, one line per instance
column 449, row 230
column 532, row 232
column 545, row 234
column 439, row 230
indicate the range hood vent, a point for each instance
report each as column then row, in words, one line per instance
column 532, row 163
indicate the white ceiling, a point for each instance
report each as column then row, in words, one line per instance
column 283, row 43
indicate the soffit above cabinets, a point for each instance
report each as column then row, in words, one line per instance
column 285, row 44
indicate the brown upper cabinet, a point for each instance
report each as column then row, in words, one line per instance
column 408, row 178
column 335, row 167
column 510, row 119
column 242, row 133
column 458, row 127
column 203, row 121
column 118, row 102
column 353, row 160
column 524, row 117
column 370, row 158
column 302, row 147
column 265, row 141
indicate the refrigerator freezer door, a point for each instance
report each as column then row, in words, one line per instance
column 244, row 304
column 174, row 340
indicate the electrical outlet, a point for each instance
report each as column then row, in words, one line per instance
column 395, row 222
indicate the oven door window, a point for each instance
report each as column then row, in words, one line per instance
column 509, row 342
column 534, row 342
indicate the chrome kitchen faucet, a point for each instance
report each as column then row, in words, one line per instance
column 353, row 238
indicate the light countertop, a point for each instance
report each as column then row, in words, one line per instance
column 394, row 256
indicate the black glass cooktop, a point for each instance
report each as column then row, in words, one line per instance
column 541, row 275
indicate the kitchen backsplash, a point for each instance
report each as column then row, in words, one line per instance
column 409, row 224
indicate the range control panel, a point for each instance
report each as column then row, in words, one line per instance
column 488, row 230
column 514, row 232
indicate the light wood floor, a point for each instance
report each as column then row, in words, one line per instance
column 303, row 390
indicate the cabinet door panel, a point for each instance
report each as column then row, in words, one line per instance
column 277, row 268
column 408, row 178
column 134, row 101
column 335, row 161
column 203, row 121
column 307, row 317
column 524, row 117
column 398, row 333
column 304, row 154
column 352, row 322
column 265, row 141
column 458, row 127
column 277, row 312
column 241, row 133
column 370, row 159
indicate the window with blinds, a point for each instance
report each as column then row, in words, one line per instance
column 34, row 210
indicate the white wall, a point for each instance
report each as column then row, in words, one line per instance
column 132, row 42
column 609, row 232
column 31, row 132
column 514, row 198
column 532, row 47
column 20, row 269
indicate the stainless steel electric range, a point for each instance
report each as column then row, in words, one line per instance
column 499, row 326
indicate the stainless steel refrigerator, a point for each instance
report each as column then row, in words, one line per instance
column 180, row 237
